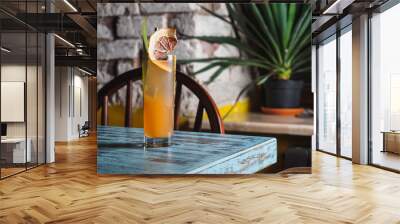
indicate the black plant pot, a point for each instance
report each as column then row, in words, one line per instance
column 283, row 93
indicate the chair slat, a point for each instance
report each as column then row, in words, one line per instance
column 104, row 112
column 178, row 93
column 214, row 119
column 206, row 103
column 199, row 118
column 128, row 104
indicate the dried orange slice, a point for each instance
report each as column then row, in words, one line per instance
column 161, row 43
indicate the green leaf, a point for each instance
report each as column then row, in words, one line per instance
column 144, row 34
column 302, row 26
column 234, row 26
column 302, row 46
column 216, row 74
column 269, row 19
column 201, row 60
column 248, row 29
column 229, row 41
column 272, row 37
column 304, row 56
column 282, row 13
column 264, row 28
column 305, row 69
column 230, row 62
column 208, row 67
column 262, row 79
column 253, row 63
column 214, row 14
column 242, row 91
column 290, row 23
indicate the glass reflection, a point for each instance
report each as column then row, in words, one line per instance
column 346, row 94
column 385, row 89
column 327, row 96
column 22, row 89
column 14, row 146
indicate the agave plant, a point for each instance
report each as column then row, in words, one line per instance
column 274, row 38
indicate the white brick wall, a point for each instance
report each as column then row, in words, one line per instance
column 119, row 44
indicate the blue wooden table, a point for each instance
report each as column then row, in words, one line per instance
column 121, row 151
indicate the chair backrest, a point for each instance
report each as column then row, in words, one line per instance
column 86, row 125
column 205, row 101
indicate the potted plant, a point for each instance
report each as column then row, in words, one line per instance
column 273, row 38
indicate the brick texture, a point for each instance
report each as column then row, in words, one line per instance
column 119, row 45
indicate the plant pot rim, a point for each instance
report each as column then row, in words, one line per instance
column 282, row 111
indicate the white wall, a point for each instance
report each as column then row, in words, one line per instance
column 61, row 103
column 16, row 73
column 12, row 101
column 71, row 94
column 80, row 112
column 33, row 126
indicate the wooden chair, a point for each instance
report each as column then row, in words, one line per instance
column 84, row 129
column 205, row 101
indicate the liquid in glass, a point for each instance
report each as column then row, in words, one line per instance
column 158, row 92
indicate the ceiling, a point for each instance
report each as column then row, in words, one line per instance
column 74, row 22
column 330, row 15
column 19, row 54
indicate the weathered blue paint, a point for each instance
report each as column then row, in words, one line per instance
column 121, row 151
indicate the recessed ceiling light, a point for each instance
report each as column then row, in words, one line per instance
column 5, row 50
column 64, row 40
column 337, row 7
column 84, row 71
column 79, row 51
column 70, row 5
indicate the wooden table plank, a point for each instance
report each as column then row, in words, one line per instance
column 265, row 124
column 121, row 151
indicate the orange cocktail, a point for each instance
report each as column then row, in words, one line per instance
column 159, row 89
